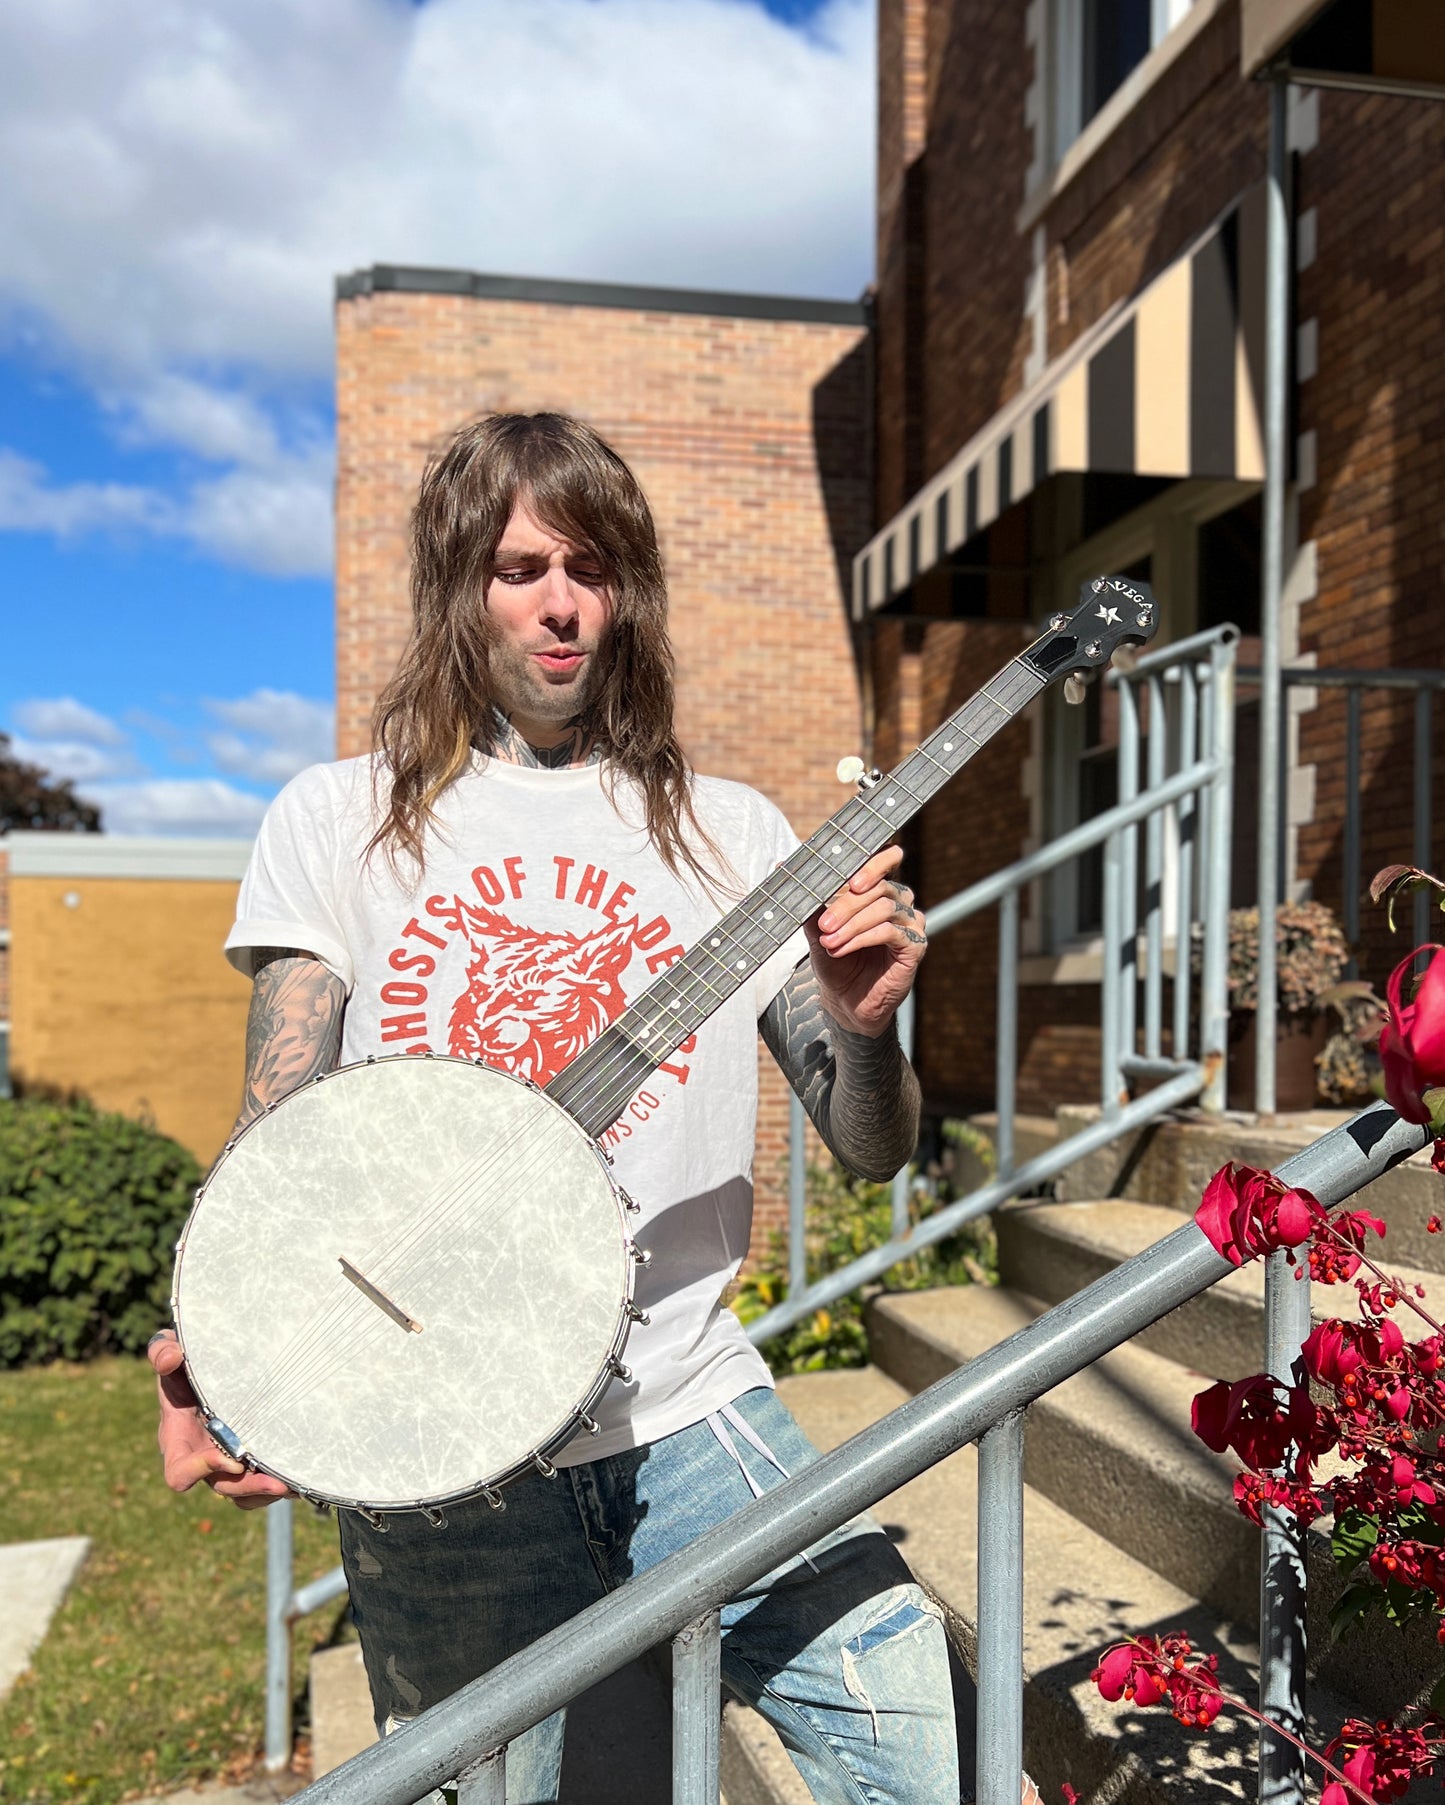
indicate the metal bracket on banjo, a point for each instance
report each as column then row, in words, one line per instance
column 634, row 1209
column 638, row 1315
column 374, row 1518
column 437, row 1518
column 619, row 1371
column 226, row 1437
column 494, row 1497
column 642, row 1255
column 590, row 1424
column 544, row 1466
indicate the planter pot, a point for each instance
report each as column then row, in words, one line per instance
column 1299, row 1039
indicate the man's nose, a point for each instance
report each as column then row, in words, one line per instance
column 558, row 602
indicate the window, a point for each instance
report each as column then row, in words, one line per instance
column 1097, row 45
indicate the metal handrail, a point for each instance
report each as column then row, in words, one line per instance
column 681, row 1596
column 1198, row 795
column 1199, row 799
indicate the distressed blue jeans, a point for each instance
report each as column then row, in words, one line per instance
column 839, row 1650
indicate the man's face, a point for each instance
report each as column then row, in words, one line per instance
column 548, row 606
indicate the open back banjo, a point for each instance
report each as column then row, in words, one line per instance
column 387, row 1221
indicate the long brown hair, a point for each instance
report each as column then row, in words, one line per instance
column 439, row 705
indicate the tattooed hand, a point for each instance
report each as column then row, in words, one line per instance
column 867, row 945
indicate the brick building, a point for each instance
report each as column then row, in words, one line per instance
column 746, row 419
column 1068, row 351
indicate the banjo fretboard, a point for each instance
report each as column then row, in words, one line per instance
column 596, row 1086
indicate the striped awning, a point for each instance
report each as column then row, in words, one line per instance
column 1168, row 383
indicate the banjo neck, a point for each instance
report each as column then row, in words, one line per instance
column 596, row 1086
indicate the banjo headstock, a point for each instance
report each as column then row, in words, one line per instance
column 1112, row 612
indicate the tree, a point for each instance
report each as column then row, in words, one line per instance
column 31, row 797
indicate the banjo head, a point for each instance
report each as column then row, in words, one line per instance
column 404, row 1284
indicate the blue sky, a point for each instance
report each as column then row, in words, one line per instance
column 184, row 182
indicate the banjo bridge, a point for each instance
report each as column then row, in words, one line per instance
column 384, row 1303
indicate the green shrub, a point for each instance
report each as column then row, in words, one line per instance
column 90, row 1208
column 849, row 1216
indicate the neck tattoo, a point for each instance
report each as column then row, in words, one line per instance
column 576, row 747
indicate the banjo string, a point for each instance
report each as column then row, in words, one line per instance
column 287, row 1370
column 613, row 1081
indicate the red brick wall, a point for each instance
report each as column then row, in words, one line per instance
column 749, row 437
column 1377, row 507
column 1376, row 510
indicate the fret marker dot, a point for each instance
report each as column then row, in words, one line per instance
column 948, row 745
column 888, row 801
column 835, row 849
column 767, row 914
column 647, row 1034
column 714, row 941
column 742, row 965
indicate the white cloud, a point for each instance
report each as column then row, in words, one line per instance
column 64, row 718
column 176, row 805
column 78, row 760
column 185, row 179
column 275, row 519
column 30, row 503
column 272, row 735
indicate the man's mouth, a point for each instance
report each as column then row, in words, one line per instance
column 560, row 659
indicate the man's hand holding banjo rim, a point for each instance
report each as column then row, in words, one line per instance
column 188, row 1454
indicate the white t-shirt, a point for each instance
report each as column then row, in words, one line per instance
column 542, row 913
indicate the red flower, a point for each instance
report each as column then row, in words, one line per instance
column 1260, row 1419
column 1382, row 1760
column 1131, row 1670
column 1245, row 1211
column 1412, row 1041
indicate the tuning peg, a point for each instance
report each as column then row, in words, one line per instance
column 850, row 769
column 1125, row 658
column 1074, row 687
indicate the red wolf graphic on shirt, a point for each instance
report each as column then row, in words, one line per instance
column 533, row 1001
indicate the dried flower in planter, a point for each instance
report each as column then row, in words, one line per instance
column 1310, row 956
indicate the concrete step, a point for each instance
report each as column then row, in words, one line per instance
column 1052, row 1250
column 1081, row 1593
column 1032, row 1135
column 1113, row 1447
column 1171, row 1162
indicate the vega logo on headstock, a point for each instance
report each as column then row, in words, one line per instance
column 1113, row 611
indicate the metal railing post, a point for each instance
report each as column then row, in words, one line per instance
column 1154, row 877
column 1128, row 874
column 901, row 1179
column 697, row 1711
column 485, row 1781
column 1271, row 691
column 1111, row 1077
column 1352, row 823
column 1282, row 1562
column 1001, row 1612
column 797, row 1197
column 1424, row 700
column 278, row 1635
column 1186, row 822
column 1006, row 1030
column 1214, row 982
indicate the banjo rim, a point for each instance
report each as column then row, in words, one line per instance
column 537, row 1456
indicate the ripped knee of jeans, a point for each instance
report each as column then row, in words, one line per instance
column 901, row 1613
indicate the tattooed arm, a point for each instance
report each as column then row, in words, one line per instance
column 293, row 1032
column 831, row 1028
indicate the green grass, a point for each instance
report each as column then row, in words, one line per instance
column 151, row 1675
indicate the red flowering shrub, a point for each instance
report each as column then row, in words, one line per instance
column 1412, row 1040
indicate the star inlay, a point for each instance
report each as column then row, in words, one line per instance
column 1109, row 615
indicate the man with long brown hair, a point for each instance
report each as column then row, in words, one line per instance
column 530, row 726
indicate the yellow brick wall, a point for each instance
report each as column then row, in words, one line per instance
column 126, row 998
